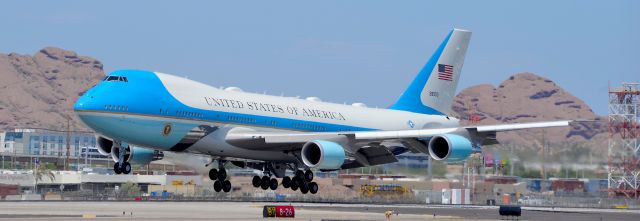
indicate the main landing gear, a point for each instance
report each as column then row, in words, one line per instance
column 122, row 166
column 220, row 176
column 301, row 180
column 266, row 182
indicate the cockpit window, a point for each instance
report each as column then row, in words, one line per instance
column 116, row 78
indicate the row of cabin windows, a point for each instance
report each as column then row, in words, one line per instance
column 115, row 78
column 251, row 120
column 309, row 127
column 116, row 107
column 187, row 114
column 241, row 119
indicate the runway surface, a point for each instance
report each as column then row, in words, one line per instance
column 62, row 210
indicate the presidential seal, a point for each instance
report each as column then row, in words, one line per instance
column 166, row 130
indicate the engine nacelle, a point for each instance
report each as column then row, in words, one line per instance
column 450, row 147
column 137, row 155
column 104, row 145
column 323, row 154
column 144, row 156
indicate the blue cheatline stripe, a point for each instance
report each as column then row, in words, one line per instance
column 410, row 99
column 147, row 84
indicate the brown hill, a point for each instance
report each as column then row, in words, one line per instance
column 527, row 97
column 39, row 91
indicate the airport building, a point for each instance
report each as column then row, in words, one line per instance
column 3, row 147
column 39, row 142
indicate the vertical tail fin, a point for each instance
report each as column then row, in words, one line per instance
column 433, row 90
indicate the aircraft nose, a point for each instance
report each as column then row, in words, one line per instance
column 85, row 102
column 81, row 103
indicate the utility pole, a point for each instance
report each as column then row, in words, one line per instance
column 511, row 161
column 544, row 144
column 430, row 165
column 66, row 164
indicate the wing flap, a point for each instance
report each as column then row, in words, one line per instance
column 377, row 155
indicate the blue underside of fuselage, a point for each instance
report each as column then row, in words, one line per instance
column 139, row 131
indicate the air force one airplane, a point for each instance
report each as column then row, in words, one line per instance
column 141, row 115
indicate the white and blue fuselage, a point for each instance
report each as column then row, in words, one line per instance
column 158, row 111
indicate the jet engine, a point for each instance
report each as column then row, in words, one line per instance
column 104, row 145
column 323, row 154
column 450, row 147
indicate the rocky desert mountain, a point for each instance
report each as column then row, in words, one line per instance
column 39, row 91
column 527, row 97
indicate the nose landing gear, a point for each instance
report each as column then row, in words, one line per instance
column 125, row 168
column 122, row 166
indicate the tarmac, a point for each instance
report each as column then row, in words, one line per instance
column 171, row 210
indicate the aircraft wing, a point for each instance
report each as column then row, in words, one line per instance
column 375, row 147
column 426, row 133
column 303, row 137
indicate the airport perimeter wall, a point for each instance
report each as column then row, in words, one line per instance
column 92, row 187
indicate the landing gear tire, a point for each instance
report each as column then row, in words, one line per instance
column 304, row 188
column 313, row 187
column 217, row 186
column 273, row 184
column 222, row 174
column 308, row 175
column 300, row 174
column 264, row 183
column 256, row 181
column 286, row 182
column 295, row 183
column 213, row 174
column 126, row 168
column 116, row 168
column 226, row 186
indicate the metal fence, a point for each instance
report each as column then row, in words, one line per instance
column 419, row 197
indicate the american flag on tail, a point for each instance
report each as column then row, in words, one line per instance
column 445, row 72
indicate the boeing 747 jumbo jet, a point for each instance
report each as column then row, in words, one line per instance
column 141, row 115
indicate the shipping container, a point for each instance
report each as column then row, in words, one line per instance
column 534, row 185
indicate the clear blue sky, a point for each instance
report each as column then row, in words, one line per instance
column 340, row 51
